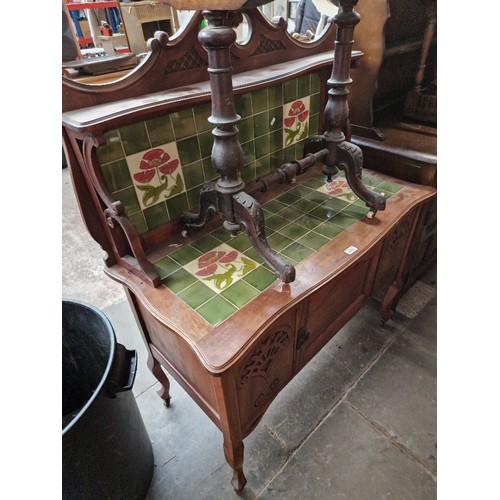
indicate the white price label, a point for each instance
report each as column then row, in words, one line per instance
column 350, row 250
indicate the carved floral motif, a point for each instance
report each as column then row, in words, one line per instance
column 260, row 361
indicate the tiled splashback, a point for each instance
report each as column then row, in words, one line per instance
column 218, row 274
column 157, row 167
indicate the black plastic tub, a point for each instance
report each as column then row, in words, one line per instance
column 106, row 451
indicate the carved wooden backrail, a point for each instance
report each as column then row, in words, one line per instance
column 180, row 60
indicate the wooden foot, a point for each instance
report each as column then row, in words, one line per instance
column 250, row 216
column 239, row 480
column 156, row 369
column 208, row 208
column 350, row 159
column 385, row 306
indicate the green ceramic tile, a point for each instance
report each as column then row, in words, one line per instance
column 240, row 293
column 328, row 230
column 290, row 213
column 314, row 183
column 289, row 154
column 221, row 234
column 276, row 119
column 179, row 280
column 248, row 152
column 290, row 91
column 185, row 255
column 252, row 252
column 201, row 114
column 309, row 221
column 165, row 266
column 193, row 174
column 371, row 180
column 129, row 200
column 259, row 100
column 316, row 197
column 276, row 159
column 189, row 151
column 314, row 105
column 288, row 198
column 243, row 104
column 275, row 95
column 315, row 83
column 156, row 215
column 260, row 278
column 355, row 211
column 208, row 170
column 278, row 241
column 322, row 212
column 262, row 166
column 314, row 124
column 240, row 242
column 275, row 141
column 389, row 187
column 196, row 294
column 261, row 124
column 183, row 123
column 297, row 252
column 275, row 222
column 206, row 243
column 293, row 231
column 302, row 191
column 206, row 141
column 248, row 172
column 305, row 205
column 112, row 150
column 193, row 196
column 274, row 206
column 116, row 175
column 336, row 204
column 342, row 220
column 216, row 310
column 177, row 205
column 245, row 128
column 160, row 130
column 134, row 138
column 262, row 146
column 313, row 240
column 138, row 222
column 303, row 86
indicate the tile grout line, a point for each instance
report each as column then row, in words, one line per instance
column 392, row 439
column 342, row 399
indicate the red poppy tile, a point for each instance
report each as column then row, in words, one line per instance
column 339, row 188
column 156, row 174
column 296, row 121
column 221, row 267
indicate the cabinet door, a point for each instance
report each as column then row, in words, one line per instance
column 266, row 369
column 330, row 307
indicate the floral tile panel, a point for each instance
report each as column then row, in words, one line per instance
column 156, row 174
column 218, row 274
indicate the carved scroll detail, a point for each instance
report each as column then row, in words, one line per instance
column 262, row 396
column 260, row 361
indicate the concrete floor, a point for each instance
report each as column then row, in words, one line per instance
column 359, row 422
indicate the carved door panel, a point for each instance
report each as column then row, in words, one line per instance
column 330, row 307
column 266, row 369
column 393, row 256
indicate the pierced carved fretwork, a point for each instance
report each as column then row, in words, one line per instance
column 267, row 45
column 260, row 360
column 191, row 60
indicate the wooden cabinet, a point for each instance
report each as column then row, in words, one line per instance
column 212, row 314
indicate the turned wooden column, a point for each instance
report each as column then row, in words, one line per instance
column 239, row 211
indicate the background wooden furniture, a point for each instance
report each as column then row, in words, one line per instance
column 399, row 42
column 231, row 354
